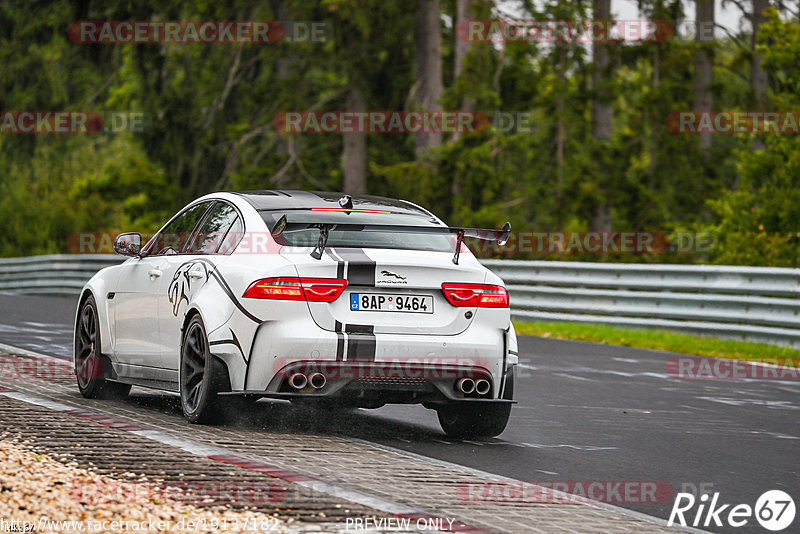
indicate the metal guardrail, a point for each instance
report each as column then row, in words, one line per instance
column 749, row 303
column 55, row 274
column 758, row 304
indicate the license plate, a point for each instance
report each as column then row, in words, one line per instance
column 391, row 302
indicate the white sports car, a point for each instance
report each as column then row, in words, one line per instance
column 308, row 297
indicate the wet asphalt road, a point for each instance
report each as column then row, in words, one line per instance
column 585, row 412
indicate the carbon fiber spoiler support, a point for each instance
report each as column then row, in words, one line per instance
column 283, row 226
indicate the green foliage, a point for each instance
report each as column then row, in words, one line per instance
column 759, row 222
column 80, row 184
column 213, row 107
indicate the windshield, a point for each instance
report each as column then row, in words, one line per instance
column 357, row 239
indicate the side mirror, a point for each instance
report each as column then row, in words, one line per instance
column 128, row 244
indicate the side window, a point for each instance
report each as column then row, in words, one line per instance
column 174, row 236
column 232, row 238
column 207, row 238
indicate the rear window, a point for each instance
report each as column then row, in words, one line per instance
column 356, row 239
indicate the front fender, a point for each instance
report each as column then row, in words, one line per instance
column 104, row 282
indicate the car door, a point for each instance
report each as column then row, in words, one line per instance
column 135, row 316
column 186, row 273
column 136, row 329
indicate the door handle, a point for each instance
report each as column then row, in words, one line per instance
column 155, row 273
column 197, row 273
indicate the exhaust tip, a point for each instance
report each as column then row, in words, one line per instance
column 465, row 385
column 298, row 381
column 317, row 380
column 482, row 386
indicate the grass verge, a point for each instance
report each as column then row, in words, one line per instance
column 663, row 340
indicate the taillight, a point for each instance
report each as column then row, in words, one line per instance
column 289, row 288
column 475, row 295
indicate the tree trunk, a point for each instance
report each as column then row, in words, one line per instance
column 561, row 133
column 654, row 124
column 601, row 112
column 287, row 177
column 428, row 83
column 704, row 62
column 758, row 77
column 354, row 157
column 601, row 105
column 463, row 46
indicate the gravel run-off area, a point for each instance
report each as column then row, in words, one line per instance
column 40, row 493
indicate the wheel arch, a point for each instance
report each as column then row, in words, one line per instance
column 104, row 330
column 191, row 312
column 85, row 294
column 96, row 289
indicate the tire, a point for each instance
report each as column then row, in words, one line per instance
column 202, row 376
column 468, row 420
column 91, row 369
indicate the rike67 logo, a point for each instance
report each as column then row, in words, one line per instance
column 774, row 510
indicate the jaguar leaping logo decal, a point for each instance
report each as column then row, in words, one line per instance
column 181, row 285
column 395, row 275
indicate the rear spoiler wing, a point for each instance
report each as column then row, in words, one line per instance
column 283, row 226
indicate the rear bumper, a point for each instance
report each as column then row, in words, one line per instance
column 297, row 340
column 376, row 383
column 292, row 396
column 359, row 364
column 372, row 384
column 354, row 379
